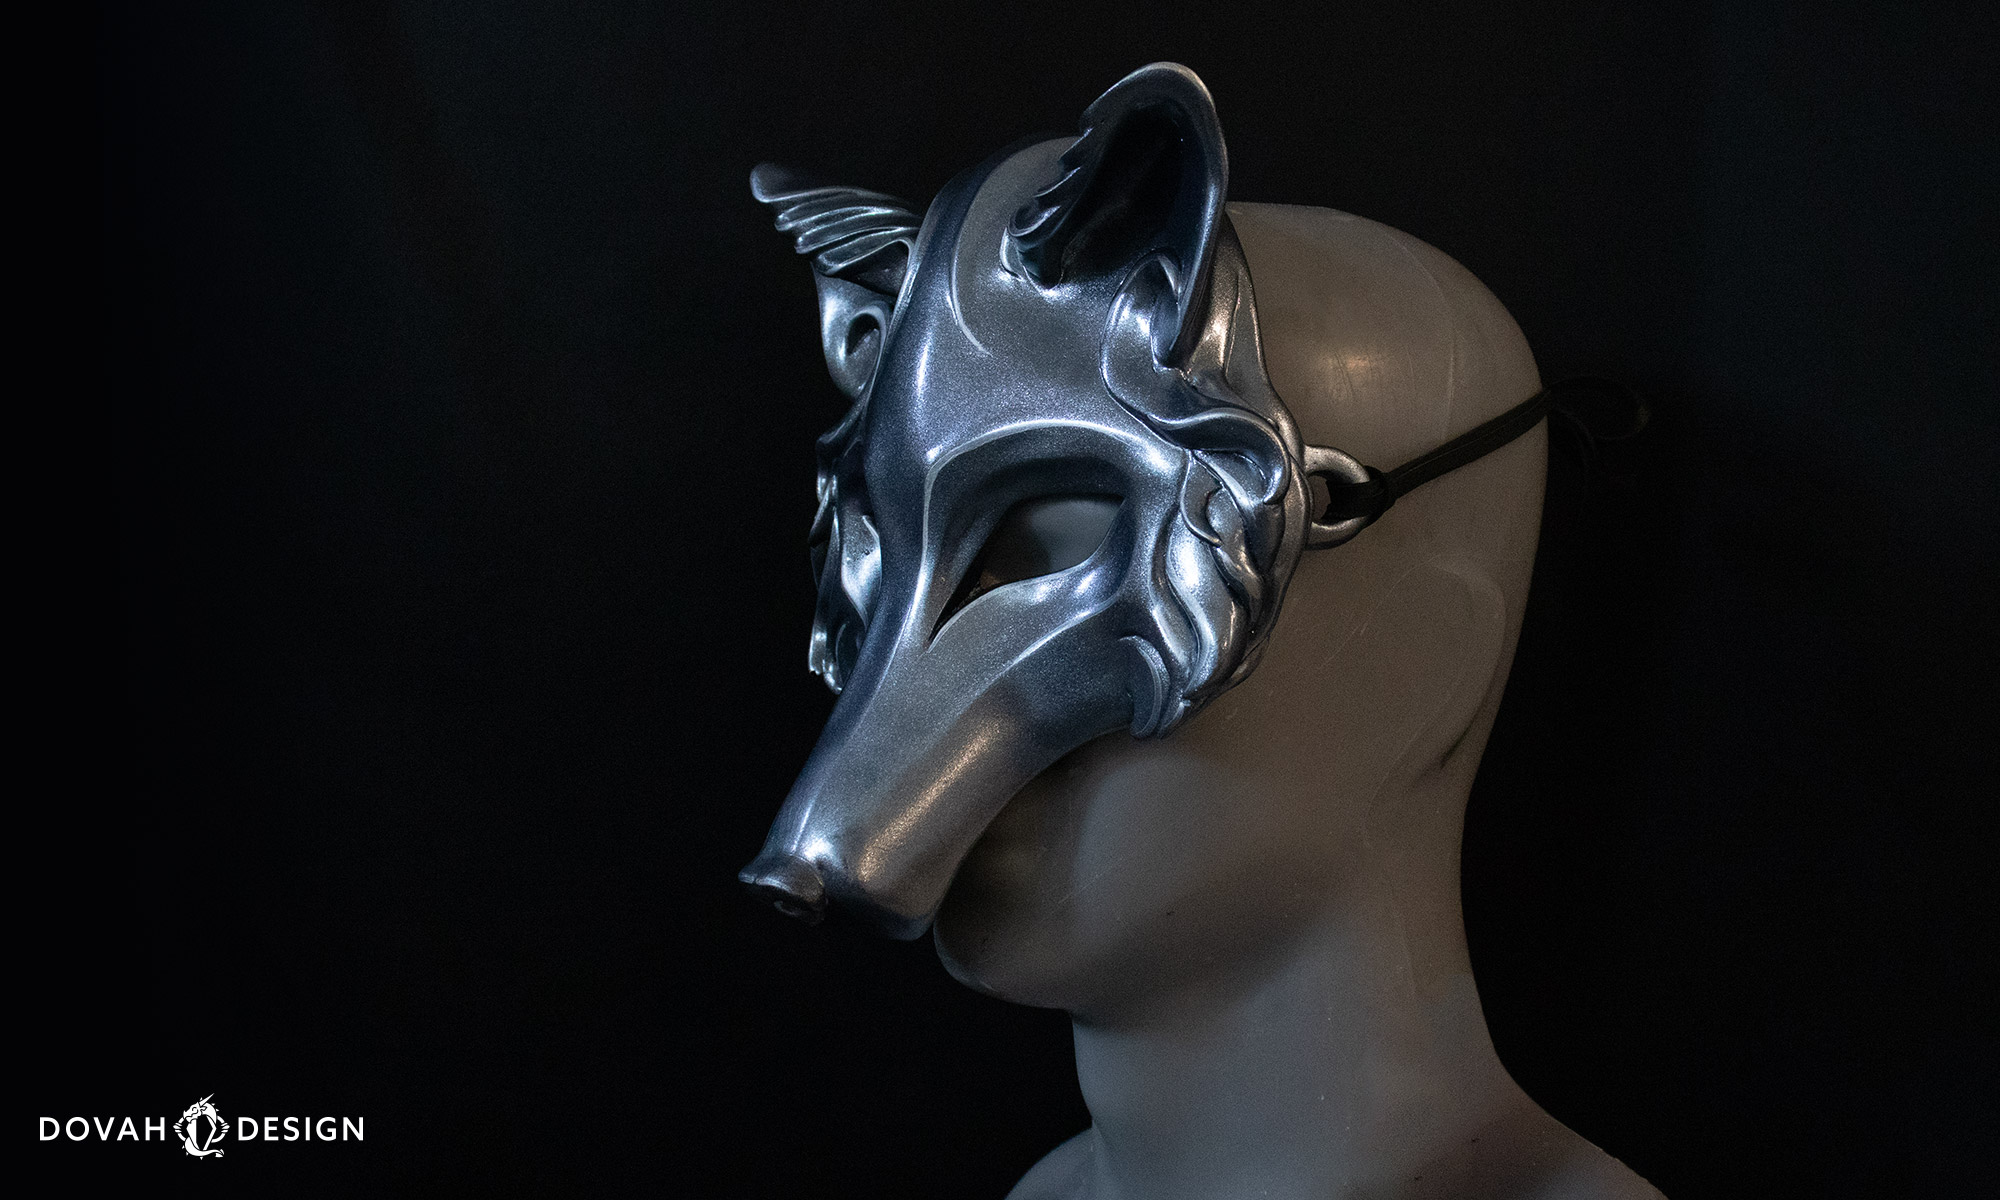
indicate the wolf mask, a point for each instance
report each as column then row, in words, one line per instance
column 1065, row 499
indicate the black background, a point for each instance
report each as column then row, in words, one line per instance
column 458, row 407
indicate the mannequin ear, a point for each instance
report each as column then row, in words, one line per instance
column 860, row 243
column 1146, row 177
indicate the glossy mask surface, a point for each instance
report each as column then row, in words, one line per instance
column 1066, row 499
column 1072, row 338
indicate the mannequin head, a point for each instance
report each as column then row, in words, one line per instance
column 1134, row 869
column 1103, row 424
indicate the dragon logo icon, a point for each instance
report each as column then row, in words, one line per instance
column 201, row 1127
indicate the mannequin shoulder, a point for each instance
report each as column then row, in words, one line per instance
column 1062, row 1174
column 1526, row 1154
column 1596, row 1176
column 1553, row 1162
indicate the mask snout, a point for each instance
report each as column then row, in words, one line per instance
column 916, row 762
column 792, row 885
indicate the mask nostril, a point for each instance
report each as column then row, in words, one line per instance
column 791, row 884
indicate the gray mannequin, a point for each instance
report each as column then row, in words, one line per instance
column 1092, row 451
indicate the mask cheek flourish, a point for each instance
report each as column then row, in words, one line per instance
column 1202, row 593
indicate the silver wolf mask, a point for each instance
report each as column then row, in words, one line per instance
column 1066, row 499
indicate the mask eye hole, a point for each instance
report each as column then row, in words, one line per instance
column 864, row 336
column 1037, row 537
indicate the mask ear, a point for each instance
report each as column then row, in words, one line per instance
column 860, row 242
column 1146, row 176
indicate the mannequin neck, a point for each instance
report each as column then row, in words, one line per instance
column 1354, row 1060
column 1353, row 1056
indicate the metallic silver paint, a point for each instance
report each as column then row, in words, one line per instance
column 1071, row 318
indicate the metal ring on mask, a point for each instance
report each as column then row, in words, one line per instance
column 1358, row 494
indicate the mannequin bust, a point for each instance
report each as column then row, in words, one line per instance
column 1255, row 923
column 1094, row 419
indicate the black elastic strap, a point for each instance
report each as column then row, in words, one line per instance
column 1581, row 399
